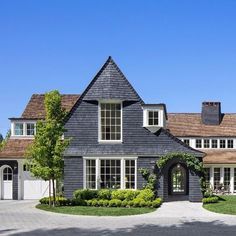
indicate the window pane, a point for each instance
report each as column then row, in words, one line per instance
column 198, row 143
column 153, row 118
column 110, row 121
column 129, row 174
column 207, row 176
column 90, row 174
column 216, row 178
column 30, row 129
column 230, row 143
column 110, row 174
column 226, row 178
column 214, row 143
column 206, row 143
column 18, row 129
column 222, row 143
column 186, row 141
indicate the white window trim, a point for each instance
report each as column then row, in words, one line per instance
column 98, row 165
column 100, row 140
column 231, row 166
column 13, row 135
column 146, row 117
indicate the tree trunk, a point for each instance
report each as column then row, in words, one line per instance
column 50, row 203
column 53, row 192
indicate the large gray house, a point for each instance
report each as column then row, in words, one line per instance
column 114, row 134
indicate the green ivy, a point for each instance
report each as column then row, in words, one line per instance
column 192, row 163
column 151, row 179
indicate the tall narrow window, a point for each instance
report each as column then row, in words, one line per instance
column 18, row 129
column 153, row 118
column 110, row 121
column 130, row 174
column 207, row 176
column 214, row 143
column 226, row 178
column 30, row 128
column 216, row 178
column 198, row 143
column 234, row 179
column 206, row 143
column 91, row 174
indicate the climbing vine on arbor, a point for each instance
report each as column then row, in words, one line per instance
column 191, row 161
column 151, row 179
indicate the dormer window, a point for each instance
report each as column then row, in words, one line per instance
column 153, row 118
column 30, row 129
column 18, row 129
column 110, row 121
column 23, row 128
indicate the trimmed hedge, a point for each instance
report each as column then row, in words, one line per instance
column 109, row 198
column 210, row 200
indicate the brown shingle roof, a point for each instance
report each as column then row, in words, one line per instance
column 15, row 148
column 35, row 107
column 220, row 157
column 189, row 124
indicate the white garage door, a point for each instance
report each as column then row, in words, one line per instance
column 34, row 188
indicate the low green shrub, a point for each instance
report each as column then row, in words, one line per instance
column 118, row 194
column 104, row 194
column 61, row 201
column 209, row 200
column 156, row 203
column 85, row 194
column 146, row 195
column 115, row 203
column 78, row 202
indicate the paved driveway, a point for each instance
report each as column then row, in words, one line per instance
column 174, row 218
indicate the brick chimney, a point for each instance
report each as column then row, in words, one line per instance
column 211, row 113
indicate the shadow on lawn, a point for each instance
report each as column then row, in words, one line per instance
column 184, row 229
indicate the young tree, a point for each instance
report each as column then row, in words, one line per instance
column 45, row 155
column 1, row 138
column 3, row 141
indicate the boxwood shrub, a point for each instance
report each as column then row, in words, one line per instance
column 209, row 200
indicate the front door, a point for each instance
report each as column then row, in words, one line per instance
column 178, row 180
column 7, row 183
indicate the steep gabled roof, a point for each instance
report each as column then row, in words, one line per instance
column 190, row 125
column 110, row 83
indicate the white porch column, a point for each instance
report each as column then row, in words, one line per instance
column 212, row 177
column 122, row 173
column 222, row 175
column 232, row 179
column 98, row 178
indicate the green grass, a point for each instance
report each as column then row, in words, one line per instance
column 226, row 205
column 95, row 211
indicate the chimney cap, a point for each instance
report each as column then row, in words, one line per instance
column 209, row 103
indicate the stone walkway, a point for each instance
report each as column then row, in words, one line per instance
column 173, row 218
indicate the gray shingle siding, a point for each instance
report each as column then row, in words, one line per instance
column 73, row 175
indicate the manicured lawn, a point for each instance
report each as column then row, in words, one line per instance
column 227, row 205
column 96, row 211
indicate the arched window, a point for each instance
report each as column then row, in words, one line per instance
column 7, row 174
column 178, row 179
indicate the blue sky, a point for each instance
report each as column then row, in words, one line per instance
column 177, row 52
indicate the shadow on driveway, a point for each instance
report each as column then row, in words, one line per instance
column 184, row 229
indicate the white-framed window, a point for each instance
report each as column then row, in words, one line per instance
column 186, row 141
column 130, row 174
column 214, row 143
column 90, row 174
column 110, row 173
column 110, row 121
column 230, row 143
column 198, row 143
column 222, row 143
column 30, row 129
column 19, row 129
column 226, row 178
column 207, row 176
column 153, row 117
column 206, row 143
column 216, row 177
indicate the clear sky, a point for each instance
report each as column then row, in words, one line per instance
column 177, row 52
